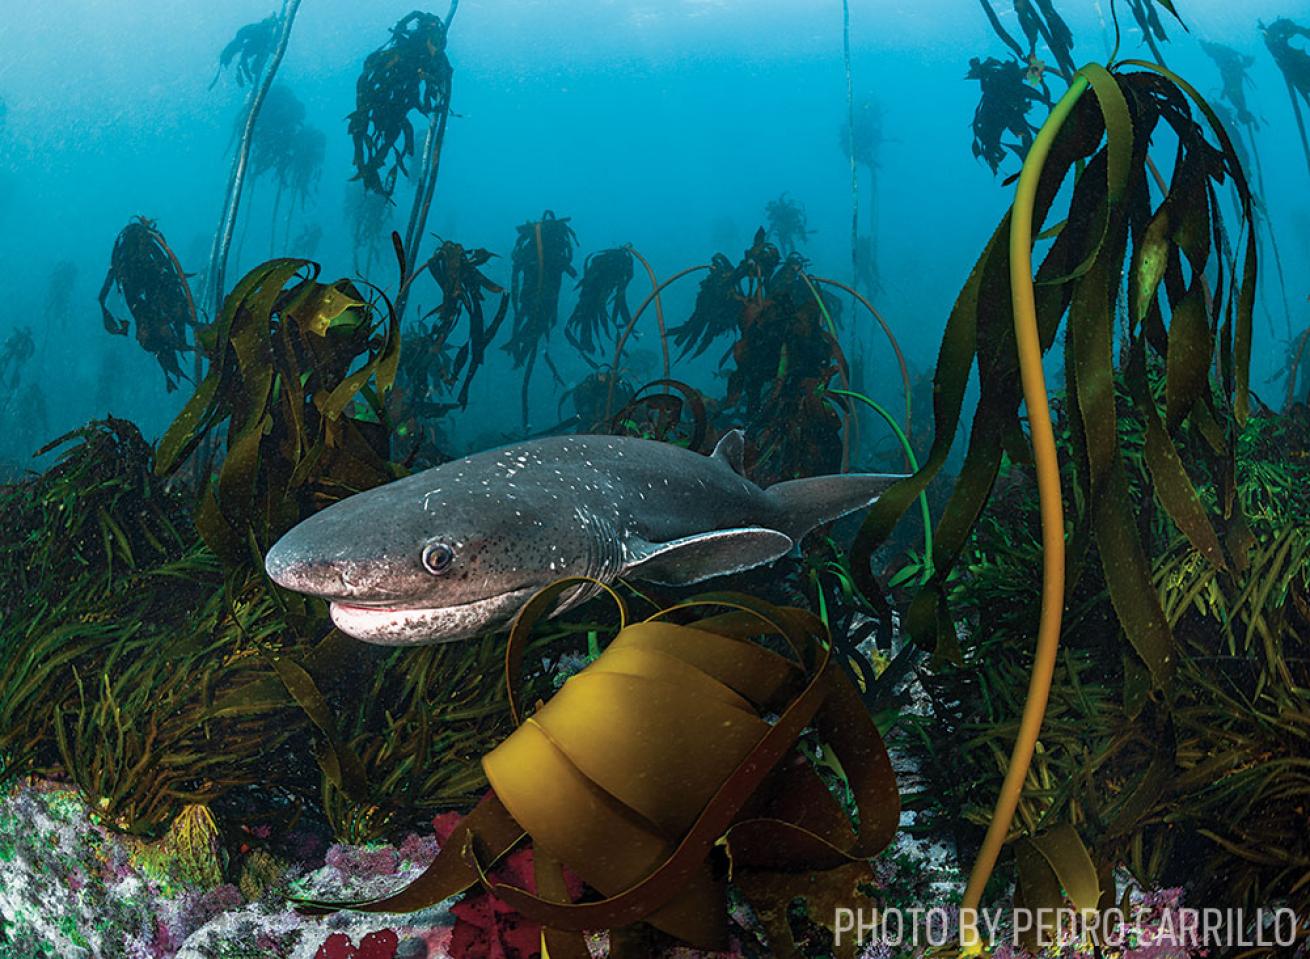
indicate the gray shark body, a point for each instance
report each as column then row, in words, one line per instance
column 457, row 550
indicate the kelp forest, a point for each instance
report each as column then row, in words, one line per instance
column 1060, row 667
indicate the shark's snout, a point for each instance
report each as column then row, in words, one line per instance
column 292, row 569
column 338, row 554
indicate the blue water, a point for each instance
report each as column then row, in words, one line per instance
column 668, row 125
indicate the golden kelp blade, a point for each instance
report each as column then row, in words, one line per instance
column 650, row 756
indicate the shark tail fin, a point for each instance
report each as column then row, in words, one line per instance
column 807, row 503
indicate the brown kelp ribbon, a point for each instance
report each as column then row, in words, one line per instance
column 817, row 837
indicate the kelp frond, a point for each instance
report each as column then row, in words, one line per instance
column 409, row 73
column 249, row 50
column 145, row 271
column 298, row 371
column 602, row 308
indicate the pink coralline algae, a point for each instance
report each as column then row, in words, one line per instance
column 485, row 927
column 418, row 849
column 376, row 945
column 364, row 863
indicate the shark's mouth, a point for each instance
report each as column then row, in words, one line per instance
column 418, row 626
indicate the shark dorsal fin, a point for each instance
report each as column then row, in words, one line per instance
column 731, row 449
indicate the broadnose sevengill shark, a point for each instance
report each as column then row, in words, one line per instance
column 457, row 550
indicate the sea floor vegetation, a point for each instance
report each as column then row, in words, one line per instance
column 195, row 763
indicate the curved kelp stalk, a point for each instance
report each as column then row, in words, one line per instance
column 298, row 371
column 543, row 254
column 1046, row 461
column 154, row 286
column 613, row 377
column 1295, row 66
column 660, row 416
column 1193, row 337
column 655, row 288
column 902, row 367
column 910, row 459
column 409, row 73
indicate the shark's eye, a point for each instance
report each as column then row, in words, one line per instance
column 437, row 558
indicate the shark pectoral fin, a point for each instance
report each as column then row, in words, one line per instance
column 691, row 559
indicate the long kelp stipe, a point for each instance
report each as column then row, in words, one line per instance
column 215, row 289
column 1046, row 461
column 1080, row 277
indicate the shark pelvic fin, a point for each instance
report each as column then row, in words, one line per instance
column 705, row 555
column 731, row 449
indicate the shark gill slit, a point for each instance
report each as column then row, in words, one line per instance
column 604, row 561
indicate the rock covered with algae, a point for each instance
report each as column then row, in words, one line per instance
column 73, row 889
